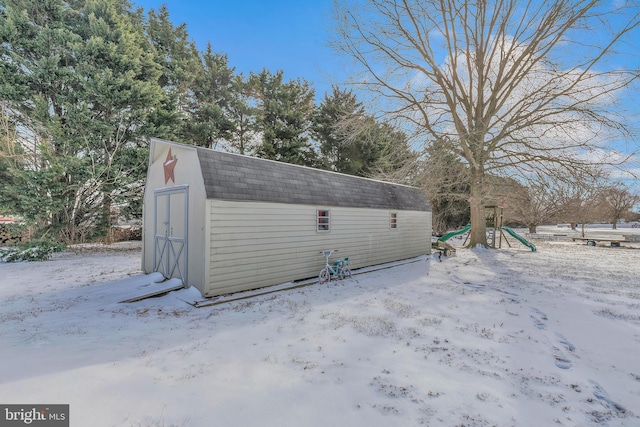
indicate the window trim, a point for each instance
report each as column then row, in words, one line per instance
column 393, row 220
column 320, row 225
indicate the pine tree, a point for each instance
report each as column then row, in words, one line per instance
column 243, row 114
column 84, row 84
column 284, row 118
column 210, row 121
column 353, row 142
column 120, row 91
column 180, row 66
column 38, row 62
column 330, row 127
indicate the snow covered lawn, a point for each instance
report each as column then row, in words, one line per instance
column 483, row 338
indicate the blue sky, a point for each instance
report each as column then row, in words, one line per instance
column 287, row 35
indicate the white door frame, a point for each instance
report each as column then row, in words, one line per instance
column 170, row 254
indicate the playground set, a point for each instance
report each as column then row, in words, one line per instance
column 495, row 233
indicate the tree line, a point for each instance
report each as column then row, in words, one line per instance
column 487, row 102
column 555, row 196
column 84, row 83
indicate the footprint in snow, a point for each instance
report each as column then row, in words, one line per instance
column 477, row 287
column 539, row 318
column 606, row 401
column 565, row 342
column 513, row 296
column 561, row 360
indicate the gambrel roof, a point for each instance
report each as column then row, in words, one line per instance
column 237, row 177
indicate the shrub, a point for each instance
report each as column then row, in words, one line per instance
column 35, row 250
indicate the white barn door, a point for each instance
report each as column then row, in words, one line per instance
column 171, row 207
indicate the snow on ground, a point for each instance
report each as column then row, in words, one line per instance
column 486, row 337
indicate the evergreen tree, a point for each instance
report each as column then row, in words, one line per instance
column 210, row 121
column 352, row 142
column 120, row 91
column 84, row 84
column 243, row 114
column 446, row 181
column 38, row 62
column 391, row 154
column 284, row 118
column 330, row 127
column 180, row 64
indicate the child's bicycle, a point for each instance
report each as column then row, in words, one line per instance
column 338, row 270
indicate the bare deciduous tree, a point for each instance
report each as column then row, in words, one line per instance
column 553, row 196
column 617, row 201
column 580, row 197
column 518, row 85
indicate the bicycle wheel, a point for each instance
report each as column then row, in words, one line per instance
column 346, row 273
column 325, row 275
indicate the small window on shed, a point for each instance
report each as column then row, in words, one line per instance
column 323, row 221
column 393, row 220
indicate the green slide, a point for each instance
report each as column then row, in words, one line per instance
column 450, row 234
column 520, row 239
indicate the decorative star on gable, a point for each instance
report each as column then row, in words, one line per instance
column 169, row 164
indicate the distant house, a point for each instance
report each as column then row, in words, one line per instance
column 225, row 222
column 7, row 219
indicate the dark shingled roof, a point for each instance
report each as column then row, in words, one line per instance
column 237, row 177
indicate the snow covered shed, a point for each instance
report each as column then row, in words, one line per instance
column 226, row 222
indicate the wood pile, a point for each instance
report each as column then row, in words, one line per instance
column 124, row 234
column 9, row 235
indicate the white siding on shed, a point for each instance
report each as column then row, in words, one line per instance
column 255, row 244
column 252, row 222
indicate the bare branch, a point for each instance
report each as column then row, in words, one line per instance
column 517, row 84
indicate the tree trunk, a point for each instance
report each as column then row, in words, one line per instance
column 478, row 233
column 532, row 228
column 104, row 226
